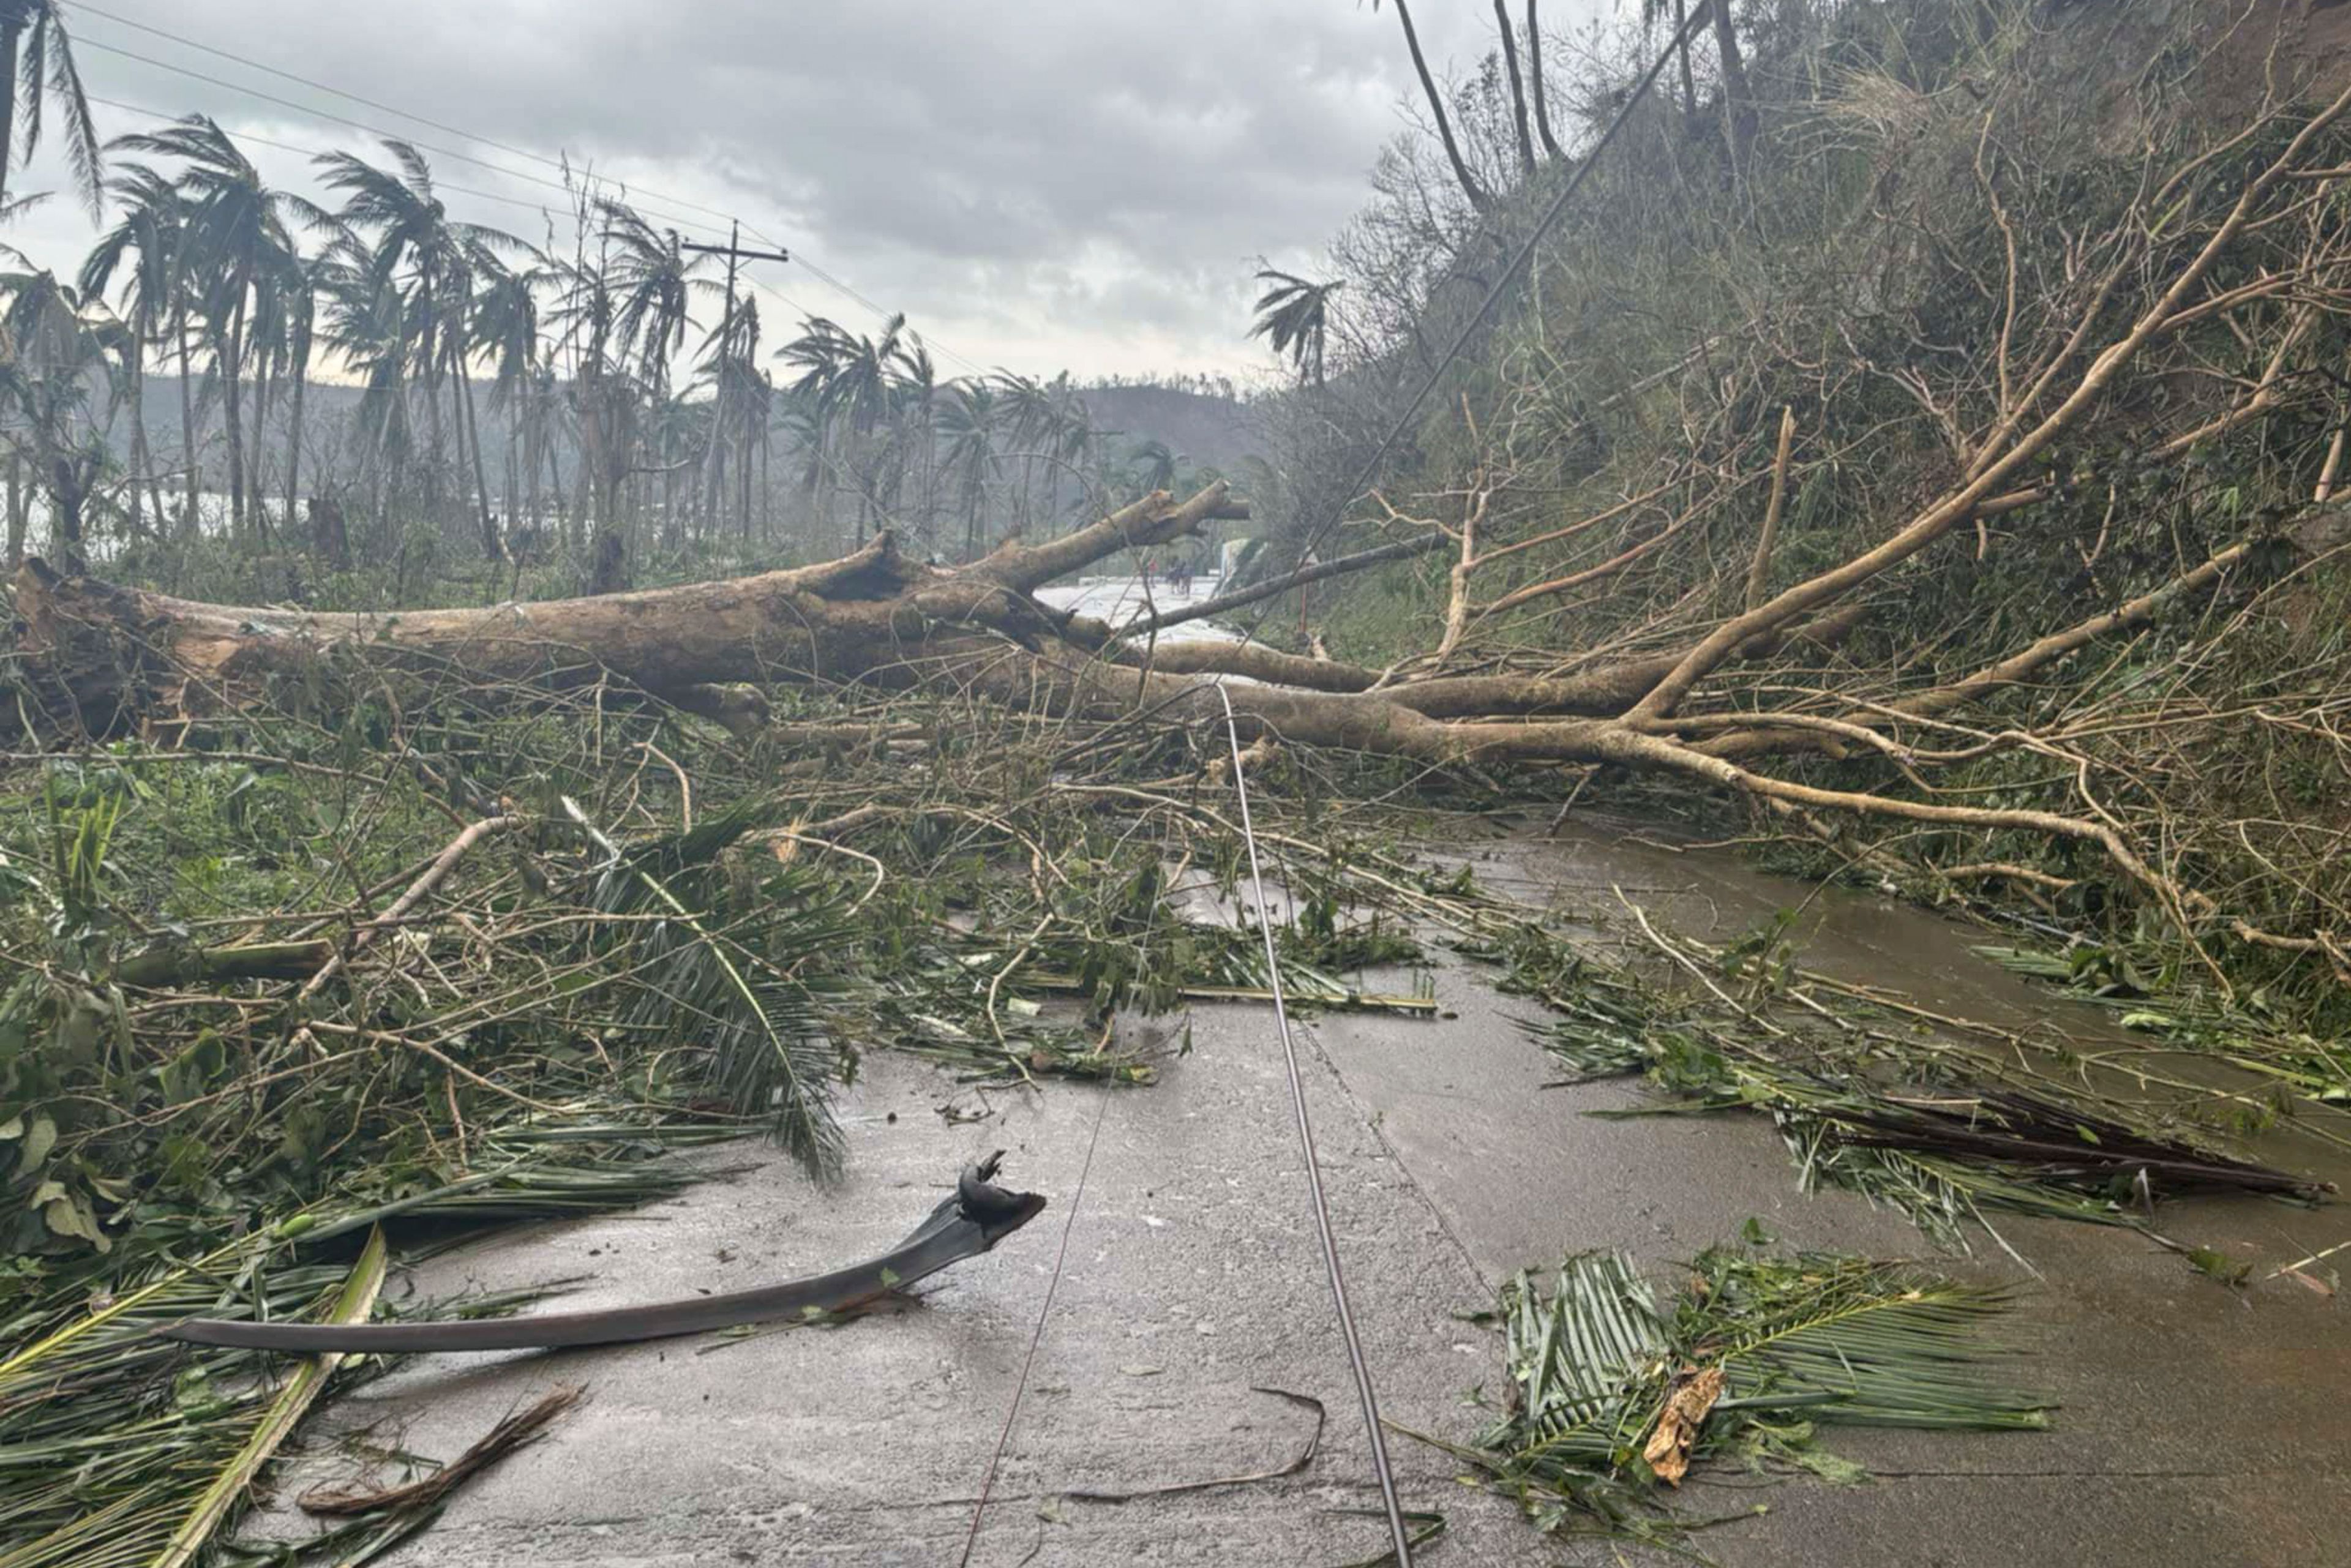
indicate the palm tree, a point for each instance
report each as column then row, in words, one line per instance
column 505, row 326
column 366, row 328
column 968, row 419
column 148, row 237
column 158, row 301
column 1294, row 315
column 298, row 287
column 853, row 384
column 1509, row 52
column 1029, row 414
column 605, row 402
column 1535, row 80
column 236, row 237
column 1154, row 465
column 55, row 352
column 656, row 282
column 437, row 263
column 37, row 55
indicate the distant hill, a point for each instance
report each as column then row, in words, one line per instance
column 1213, row 431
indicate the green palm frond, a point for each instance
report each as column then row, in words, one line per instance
column 1817, row 1338
column 743, row 992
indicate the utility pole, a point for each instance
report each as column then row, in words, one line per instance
column 713, row 464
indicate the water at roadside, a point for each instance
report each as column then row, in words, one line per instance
column 1119, row 600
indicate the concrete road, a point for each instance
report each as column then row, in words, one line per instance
column 2199, row 1426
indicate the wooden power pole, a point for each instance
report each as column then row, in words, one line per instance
column 713, row 462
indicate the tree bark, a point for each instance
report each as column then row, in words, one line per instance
column 1518, row 89
column 192, row 523
column 12, row 34
column 1535, row 80
column 1738, row 117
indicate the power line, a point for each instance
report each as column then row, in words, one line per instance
column 376, row 104
column 449, row 129
column 1365, row 1395
column 375, row 131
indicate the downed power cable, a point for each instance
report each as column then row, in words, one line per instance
column 974, row 1220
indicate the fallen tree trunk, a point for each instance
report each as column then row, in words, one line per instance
column 107, row 658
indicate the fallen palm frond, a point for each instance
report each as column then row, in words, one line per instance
column 107, row 1433
column 352, row 1304
column 746, row 996
column 517, row 1430
column 2244, row 1031
column 1939, row 1150
column 1932, row 1129
column 1607, row 1393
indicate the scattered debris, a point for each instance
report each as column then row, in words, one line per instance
column 973, row 1221
column 1752, row 1354
column 1689, row 1398
column 515, row 1430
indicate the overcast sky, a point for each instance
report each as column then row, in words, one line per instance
column 1036, row 184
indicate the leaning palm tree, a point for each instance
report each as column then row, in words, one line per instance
column 505, row 327
column 366, row 328
column 436, row 262
column 1031, row 417
column 38, row 58
column 657, row 281
column 297, row 293
column 1152, row 466
column 1294, row 315
column 1479, row 197
column 855, row 385
column 237, row 239
column 143, row 245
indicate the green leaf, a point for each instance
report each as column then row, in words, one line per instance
column 40, row 1139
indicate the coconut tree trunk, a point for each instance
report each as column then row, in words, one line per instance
column 513, row 470
column 229, row 353
column 190, row 524
column 255, row 487
column 12, row 34
column 1469, row 182
column 492, row 545
column 1518, row 86
column 1737, row 103
column 20, row 512
column 526, row 436
column 294, row 448
column 1535, row 80
column 64, row 515
column 139, row 458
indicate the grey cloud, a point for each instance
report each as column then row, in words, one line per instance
column 1063, row 182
